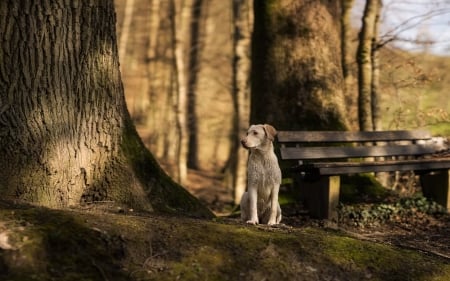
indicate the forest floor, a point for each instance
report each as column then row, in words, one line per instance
column 429, row 233
column 106, row 242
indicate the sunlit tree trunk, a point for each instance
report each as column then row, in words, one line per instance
column 124, row 35
column 364, row 59
column 66, row 136
column 237, row 165
column 345, row 37
column 375, row 86
column 181, row 19
column 347, row 60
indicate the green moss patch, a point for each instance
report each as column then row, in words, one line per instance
column 94, row 245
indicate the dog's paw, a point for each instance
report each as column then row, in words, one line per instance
column 253, row 222
column 272, row 223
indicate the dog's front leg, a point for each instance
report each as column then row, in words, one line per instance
column 274, row 206
column 252, row 198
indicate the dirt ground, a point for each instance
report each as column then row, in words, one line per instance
column 421, row 232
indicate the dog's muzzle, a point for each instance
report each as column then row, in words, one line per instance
column 244, row 143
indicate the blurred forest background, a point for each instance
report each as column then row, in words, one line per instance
column 192, row 90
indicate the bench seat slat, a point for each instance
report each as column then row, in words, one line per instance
column 351, row 136
column 308, row 153
column 339, row 168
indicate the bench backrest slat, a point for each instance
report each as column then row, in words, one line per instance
column 351, row 136
column 354, row 152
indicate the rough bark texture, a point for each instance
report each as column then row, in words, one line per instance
column 66, row 136
column 297, row 78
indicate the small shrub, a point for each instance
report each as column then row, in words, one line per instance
column 366, row 215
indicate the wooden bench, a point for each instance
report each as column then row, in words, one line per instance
column 324, row 155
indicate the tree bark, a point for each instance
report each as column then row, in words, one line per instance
column 297, row 80
column 346, row 58
column 124, row 35
column 181, row 19
column 347, row 61
column 66, row 136
column 364, row 60
column 197, row 16
column 237, row 165
column 375, row 83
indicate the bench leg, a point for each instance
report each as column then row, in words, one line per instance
column 321, row 197
column 436, row 186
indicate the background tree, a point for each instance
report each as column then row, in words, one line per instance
column 368, row 66
column 237, row 163
column 148, row 69
column 66, row 136
column 348, row 61
column 375, row 71
column 180, row 17
column 296, row 69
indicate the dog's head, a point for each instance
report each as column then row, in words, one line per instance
column 258, row 136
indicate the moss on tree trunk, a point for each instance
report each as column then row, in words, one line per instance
column 297, row 80
column 66, row 135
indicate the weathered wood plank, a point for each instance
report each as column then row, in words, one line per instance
column 333, row 152
column 351, row 136
column 339, row 168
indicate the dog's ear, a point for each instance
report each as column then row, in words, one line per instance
column 270, row 131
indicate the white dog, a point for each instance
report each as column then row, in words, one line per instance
column 260, row 203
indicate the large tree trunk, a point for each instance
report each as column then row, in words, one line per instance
column 66, row 136
column 297, row 78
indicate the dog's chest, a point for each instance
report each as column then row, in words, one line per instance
column 263, row 171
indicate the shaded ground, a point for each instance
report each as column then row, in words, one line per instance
column 101, row 243
column 419, row 231
column 106, row 242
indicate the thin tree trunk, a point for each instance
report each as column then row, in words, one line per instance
column 194, row 58
column 163, row 89
column 237, row 164
column 180, row 31
column 375, row 101
column 347, row 59
column 345, row 38
column 364, row 60
column 127, row 18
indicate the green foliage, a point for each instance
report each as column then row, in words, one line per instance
column 440, row 129
column 367, row 215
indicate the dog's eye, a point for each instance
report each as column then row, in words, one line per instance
column 255, row 133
